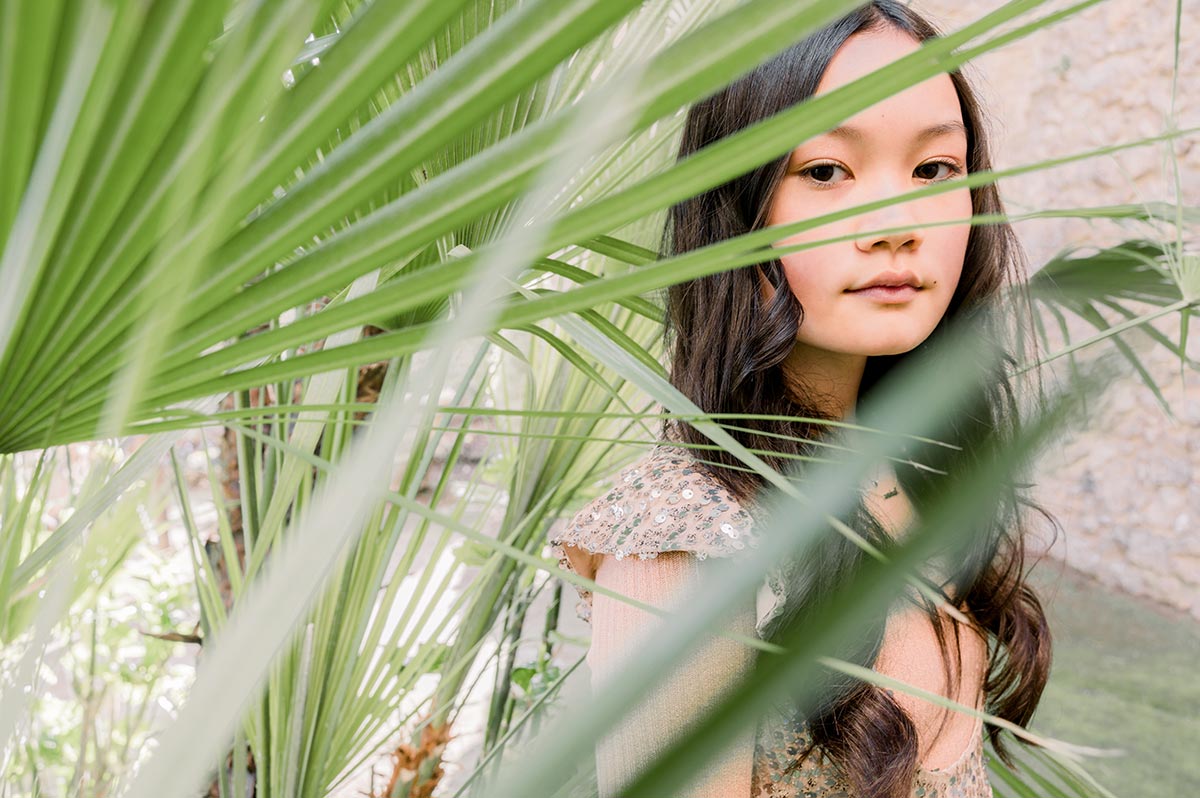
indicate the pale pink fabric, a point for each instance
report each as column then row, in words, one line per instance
column 618, row 629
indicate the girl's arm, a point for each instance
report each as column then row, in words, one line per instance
column 618, row 631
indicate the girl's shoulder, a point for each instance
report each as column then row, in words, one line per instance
column 665, row 501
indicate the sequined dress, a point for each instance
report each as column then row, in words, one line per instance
column 666, row 502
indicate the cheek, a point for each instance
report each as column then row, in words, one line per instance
column 949, row 242
column 804, row 276
column 802, row 270
column 811, row 273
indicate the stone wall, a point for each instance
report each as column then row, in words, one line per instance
column 1125, row 484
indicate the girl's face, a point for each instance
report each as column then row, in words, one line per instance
column 908, row 141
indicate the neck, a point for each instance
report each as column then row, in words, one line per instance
column 830, row 378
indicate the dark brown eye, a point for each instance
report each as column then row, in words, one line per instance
column 929, row 171
column 821, row 173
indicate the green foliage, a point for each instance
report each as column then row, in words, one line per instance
column 105, row 680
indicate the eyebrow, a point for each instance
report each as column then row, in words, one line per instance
column 931, row 132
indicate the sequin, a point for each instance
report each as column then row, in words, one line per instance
column 699, row 512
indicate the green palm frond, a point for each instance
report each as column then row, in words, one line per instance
column 1122, row 281
column 268, row 264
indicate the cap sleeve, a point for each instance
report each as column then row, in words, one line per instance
column 663, row 502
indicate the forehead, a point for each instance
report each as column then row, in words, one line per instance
column 931, row 102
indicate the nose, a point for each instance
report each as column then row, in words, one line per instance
column 906, row 233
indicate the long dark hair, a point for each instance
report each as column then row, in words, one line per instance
column 860, row 727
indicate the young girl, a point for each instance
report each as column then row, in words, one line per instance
column 808, row 336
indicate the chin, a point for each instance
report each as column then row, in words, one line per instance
column 893, row 346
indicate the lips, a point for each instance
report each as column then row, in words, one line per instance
column 889, row 288
column 889, row 280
